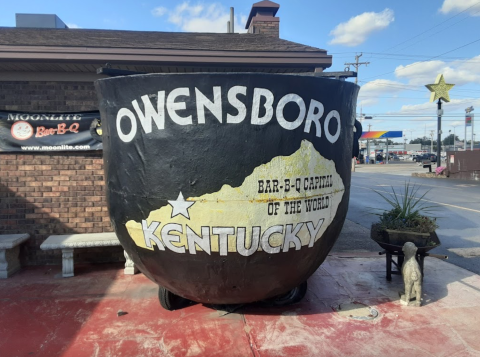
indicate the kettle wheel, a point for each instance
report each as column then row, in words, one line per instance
column 170, row 301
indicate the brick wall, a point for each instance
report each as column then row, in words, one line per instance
column 47, row 96
column 53, row 193
column 268, row 28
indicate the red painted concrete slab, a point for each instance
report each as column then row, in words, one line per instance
column 43, row 315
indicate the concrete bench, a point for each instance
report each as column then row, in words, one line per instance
column 9, row 251
column 68, row 242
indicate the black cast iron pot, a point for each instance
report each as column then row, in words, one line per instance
column 227, row 188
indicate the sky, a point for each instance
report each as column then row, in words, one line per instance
column 407, row 44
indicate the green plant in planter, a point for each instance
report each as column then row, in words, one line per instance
column 409, row 212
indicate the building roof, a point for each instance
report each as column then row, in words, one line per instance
column 147, row 39
column 24, row 48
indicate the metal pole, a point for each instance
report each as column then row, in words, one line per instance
column 368, row 145
column 453, row 138
column 471, row 143
column 387, row 153
column 431, row 141
column 465, row 140
column 367, row 157
column 439, row 134
column 232, row 21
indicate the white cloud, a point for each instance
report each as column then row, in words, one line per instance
column 159, row 11
column 456, row 72
column 423, row 108
column 356, row 30
column 367, row 102
column 73, row 26
column 426, row 108
column 200, row 17
column 472, row 7
column 370, row 92
column 381, row 86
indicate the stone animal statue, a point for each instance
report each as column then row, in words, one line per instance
column 412, row 276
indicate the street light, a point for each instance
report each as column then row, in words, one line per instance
column 431, row 141
column 454, row 126
column 453, row 140
column 367, row 158
column 411, row 133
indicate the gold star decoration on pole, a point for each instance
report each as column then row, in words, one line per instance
column 439, row 89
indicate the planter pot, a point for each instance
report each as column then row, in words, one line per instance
column 401, row 237
column 393, row 241
column 227, row 188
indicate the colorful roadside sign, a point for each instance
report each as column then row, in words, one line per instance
column 468, row 119
column 381, row 134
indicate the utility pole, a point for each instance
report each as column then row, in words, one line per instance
column 356, row 64
column 431, row 141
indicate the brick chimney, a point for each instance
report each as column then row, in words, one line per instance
column 262, row 19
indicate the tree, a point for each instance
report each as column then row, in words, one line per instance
column 423, row 141
column 449, row 140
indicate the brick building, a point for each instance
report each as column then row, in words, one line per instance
column 52, row 70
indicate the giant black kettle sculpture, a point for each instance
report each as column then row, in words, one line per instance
column 227, row 188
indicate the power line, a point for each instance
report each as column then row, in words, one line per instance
column 433, row 34
column 398, row 57
column 416, row 63
column 349, row 54
column 402, row 87
column 431, row 28
column 390, row 97
column 427, row 117
column 401, row 97
column 408, row 87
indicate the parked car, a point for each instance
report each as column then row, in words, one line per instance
column 420, row 158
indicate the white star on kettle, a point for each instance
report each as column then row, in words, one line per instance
column 180, row 206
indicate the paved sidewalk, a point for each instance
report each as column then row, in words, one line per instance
column 402, row 168
column 355, row 238
column 349, row 310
